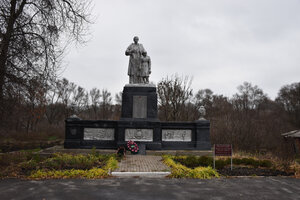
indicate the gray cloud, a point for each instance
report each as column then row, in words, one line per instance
column 221, row 43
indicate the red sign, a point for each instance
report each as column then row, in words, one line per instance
column 223, row 149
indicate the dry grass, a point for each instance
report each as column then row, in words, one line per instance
column 287, row 163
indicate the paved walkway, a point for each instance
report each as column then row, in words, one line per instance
column 142, row 163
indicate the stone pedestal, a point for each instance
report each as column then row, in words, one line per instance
column 139, row 102
column 202, row 134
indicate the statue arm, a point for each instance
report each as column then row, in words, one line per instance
column 128, row 51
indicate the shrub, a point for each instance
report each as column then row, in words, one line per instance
column 180, row 171
column 14, row 158
column 67, row 161
column 193, row 161
column 204, row 161
column 29, row 165
column 71, row 173
column 92, row 173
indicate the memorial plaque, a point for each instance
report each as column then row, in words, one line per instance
column 173, row 135
column 139, row 107
column 99, row 134
column 139, row 135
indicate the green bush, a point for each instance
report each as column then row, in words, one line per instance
column 92, row 173
column 265, row 163
column 71, row 173
column 193, row 161
column 204, row 161
column 31, row 150
column 22, row 164
column 52, row 138
column 29, row 165
column 180, row 171
column 67, row 161
column 14, row 158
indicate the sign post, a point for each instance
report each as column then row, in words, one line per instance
column 223, row 150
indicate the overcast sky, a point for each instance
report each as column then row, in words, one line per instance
column 220, row 43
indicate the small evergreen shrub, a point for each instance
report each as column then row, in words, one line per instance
column 71, row 173
column 92, row 173
column 180, row 171
column 204, row 161
column 67, row 161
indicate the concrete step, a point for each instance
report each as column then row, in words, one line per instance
column 141, row 174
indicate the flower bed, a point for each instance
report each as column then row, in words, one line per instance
column 180, row 171
column 28, row 165
column 242, row 166
column 93, row 173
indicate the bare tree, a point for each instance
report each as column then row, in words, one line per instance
column 105, row 104
column 80, row 100
column 30, row 34
column 174, row 93
column 118, row 98
column 249, row 97
column 35, row 103
column 118, row 106
column 95, row 101
column 55, row 108
column 289, row 99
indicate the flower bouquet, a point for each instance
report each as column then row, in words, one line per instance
column 132, row 147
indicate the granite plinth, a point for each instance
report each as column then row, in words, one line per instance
column 139, row 101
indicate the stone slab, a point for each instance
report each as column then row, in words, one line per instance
column 173, row 135
column 99, row 134
column 142, row 149
column 139, row 108
column 139, row 135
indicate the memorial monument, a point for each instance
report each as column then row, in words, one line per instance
column 138, row 120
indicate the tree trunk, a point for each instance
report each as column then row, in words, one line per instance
column 13, row 15
column 5, row 46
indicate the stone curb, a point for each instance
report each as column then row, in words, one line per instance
column 143, row 174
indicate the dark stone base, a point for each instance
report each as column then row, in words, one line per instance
column 200, row 138
column 142, row 149
column 143, row 98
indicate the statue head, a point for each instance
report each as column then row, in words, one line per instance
column 144, row 53
column 202, row 113
column 136, row 39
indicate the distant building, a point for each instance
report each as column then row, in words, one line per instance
column 295, row 135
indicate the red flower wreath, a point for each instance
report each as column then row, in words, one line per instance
column 132, row 147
